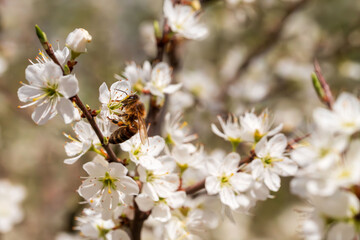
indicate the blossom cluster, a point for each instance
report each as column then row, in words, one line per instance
column 329, row 167
column 153, row 179
column 241, row 183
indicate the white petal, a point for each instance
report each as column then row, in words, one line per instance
column 161, row 212
column 213, row 166
column 27, row 93
column 150, row 191
column 120, row 235
column 73, row 148
column 261, row 148
column 286, row 167
column 172, row 88
column 217, row 131
column 33, row 74
column 156, row 145
column 94, row 170
column 277, row 145
column 144, row 202
column 127, row 185
column 52, row 72
column 73, row 159
column 176, row 199
column 68, row 86
column 272, row 180
column 227, row 197
column 231, row 163
column 257, row 168
column 241, row 181
column 117, row 169
column 104, row 93
column 43, row 113
column 89, row 188
column 212, row 185
column 66, row 109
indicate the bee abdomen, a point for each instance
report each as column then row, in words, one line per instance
column 121, row 135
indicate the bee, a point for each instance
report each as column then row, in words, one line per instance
column 132, row 121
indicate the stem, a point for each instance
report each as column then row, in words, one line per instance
column 137, row 223
column 196, row 187
column 328, row 98
column 111, row 155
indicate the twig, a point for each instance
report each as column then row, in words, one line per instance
column 196, row 187
column 328, row 98
column 111, row 155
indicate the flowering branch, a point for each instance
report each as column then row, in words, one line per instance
column 50, row 52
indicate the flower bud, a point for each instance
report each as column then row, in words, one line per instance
column 77, row 40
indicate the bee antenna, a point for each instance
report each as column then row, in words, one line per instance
column 122, row 91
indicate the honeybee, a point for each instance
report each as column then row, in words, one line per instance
column 133, row 121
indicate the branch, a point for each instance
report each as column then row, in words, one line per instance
column 327, row 98
column 111, row 155
column 196, row 187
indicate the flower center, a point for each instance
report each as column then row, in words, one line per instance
column 102, row 232
column 108, row 182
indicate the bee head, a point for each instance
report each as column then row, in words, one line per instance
column 131, row 99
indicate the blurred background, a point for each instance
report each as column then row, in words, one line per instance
column 259, row 54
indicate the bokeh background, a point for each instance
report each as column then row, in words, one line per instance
column 259, row 54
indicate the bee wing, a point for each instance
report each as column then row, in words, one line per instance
column 142, row 130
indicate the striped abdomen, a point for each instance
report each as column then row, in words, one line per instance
column 122, row 134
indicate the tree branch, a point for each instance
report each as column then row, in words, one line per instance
column 111, row 155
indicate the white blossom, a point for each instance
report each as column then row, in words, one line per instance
column 184, row 21
column 270, row 162
column 146, row 154
column 77, row 40
column 231, row 129
column 227, row 181
column 253, row 127
column 11, row 212
column 176, row 130
column 50, row 91
column 137, row 75
column 159, row 183
column 343, row 118
column 160, row 81
column 108, row 182
column 160, row 210
column 111, row 99
column 86, row 138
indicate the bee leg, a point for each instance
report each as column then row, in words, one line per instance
column 119, row 123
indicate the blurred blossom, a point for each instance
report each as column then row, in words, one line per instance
column 67, row 236
column 180, row 101
column 200, row 84
column 290, row 69
column 299, row 44
column 231, row 61
column 148, row 38
column 254, row 85
column 350, row 69
column 3, row 65
column 11, row 212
